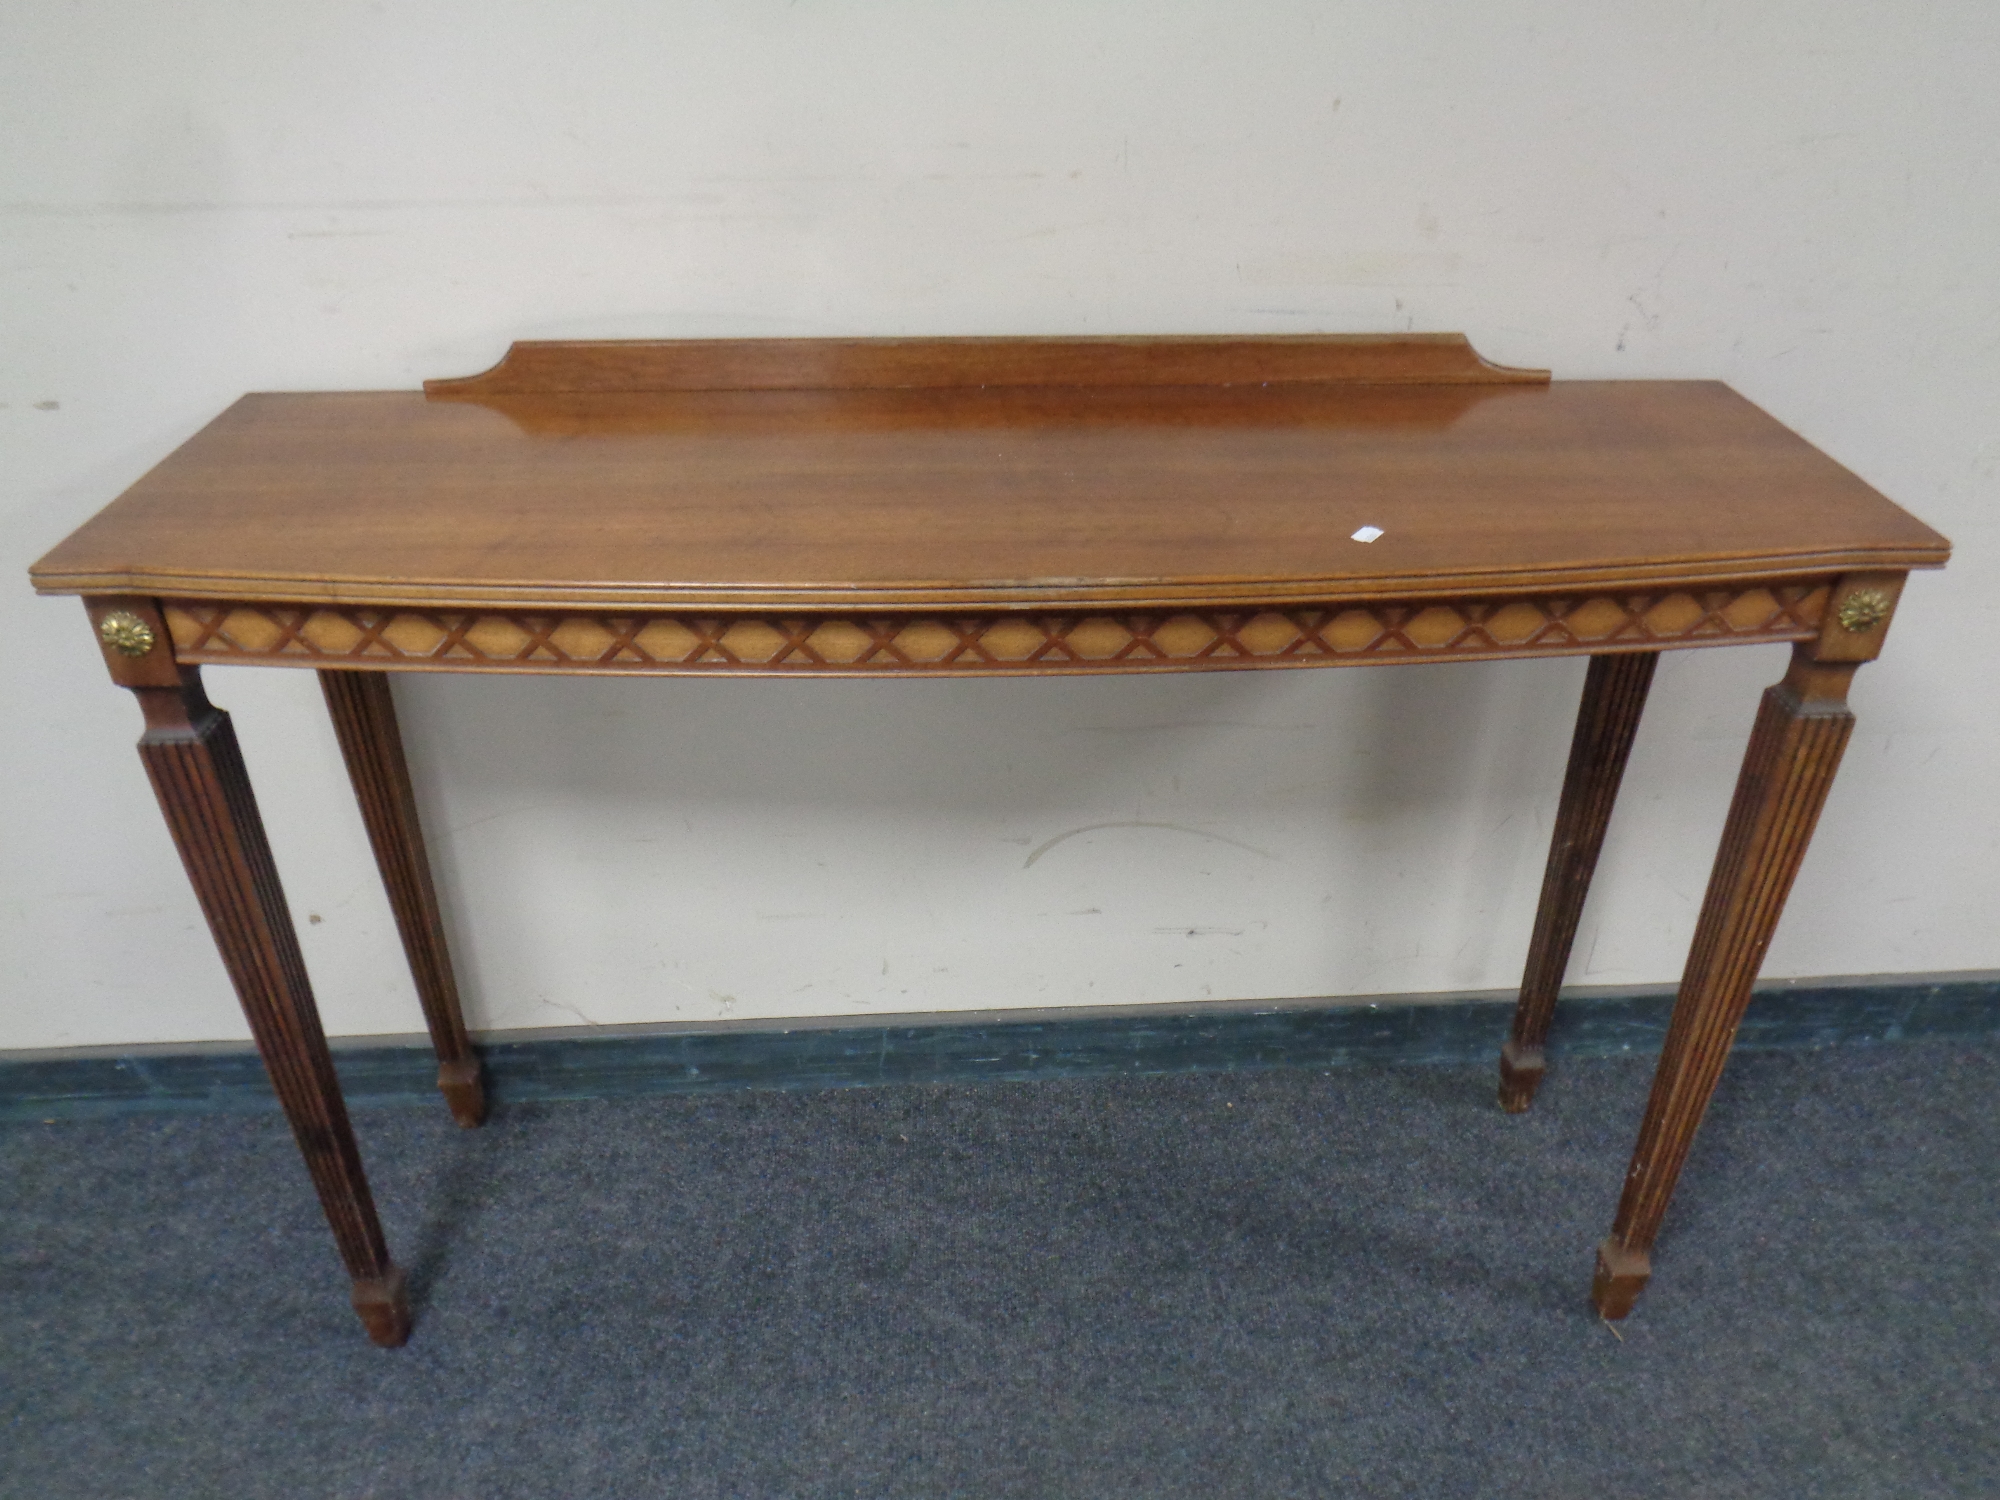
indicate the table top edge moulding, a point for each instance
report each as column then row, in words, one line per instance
column 913, row 507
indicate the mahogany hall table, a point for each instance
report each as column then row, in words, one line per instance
column 952, row 507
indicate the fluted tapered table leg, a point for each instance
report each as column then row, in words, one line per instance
column 1614, row 695
column 1802, row 727
column 364, row 720
column 190, row 753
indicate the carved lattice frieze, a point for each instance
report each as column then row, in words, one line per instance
column 885, row 644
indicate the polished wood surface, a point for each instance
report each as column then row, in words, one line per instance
column 997, row 497
column 899, row 507
column 539, row 367
column 190, row 753
column 363, row 712
column 1614, row 696
column 1803, row 725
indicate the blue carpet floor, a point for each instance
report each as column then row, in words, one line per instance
column 1361, row 1282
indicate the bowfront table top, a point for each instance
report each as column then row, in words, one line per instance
column 937, row 506
column 1155, row 480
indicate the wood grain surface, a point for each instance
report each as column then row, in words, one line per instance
column 1607, row 722
column 995, row 497
column 900, row 506
column 363, row 712
column 191, row 755
column 915, row 364
column 1803, row 725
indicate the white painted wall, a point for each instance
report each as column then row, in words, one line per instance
column 206, row 198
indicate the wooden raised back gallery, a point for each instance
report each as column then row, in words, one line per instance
column 978, row 506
